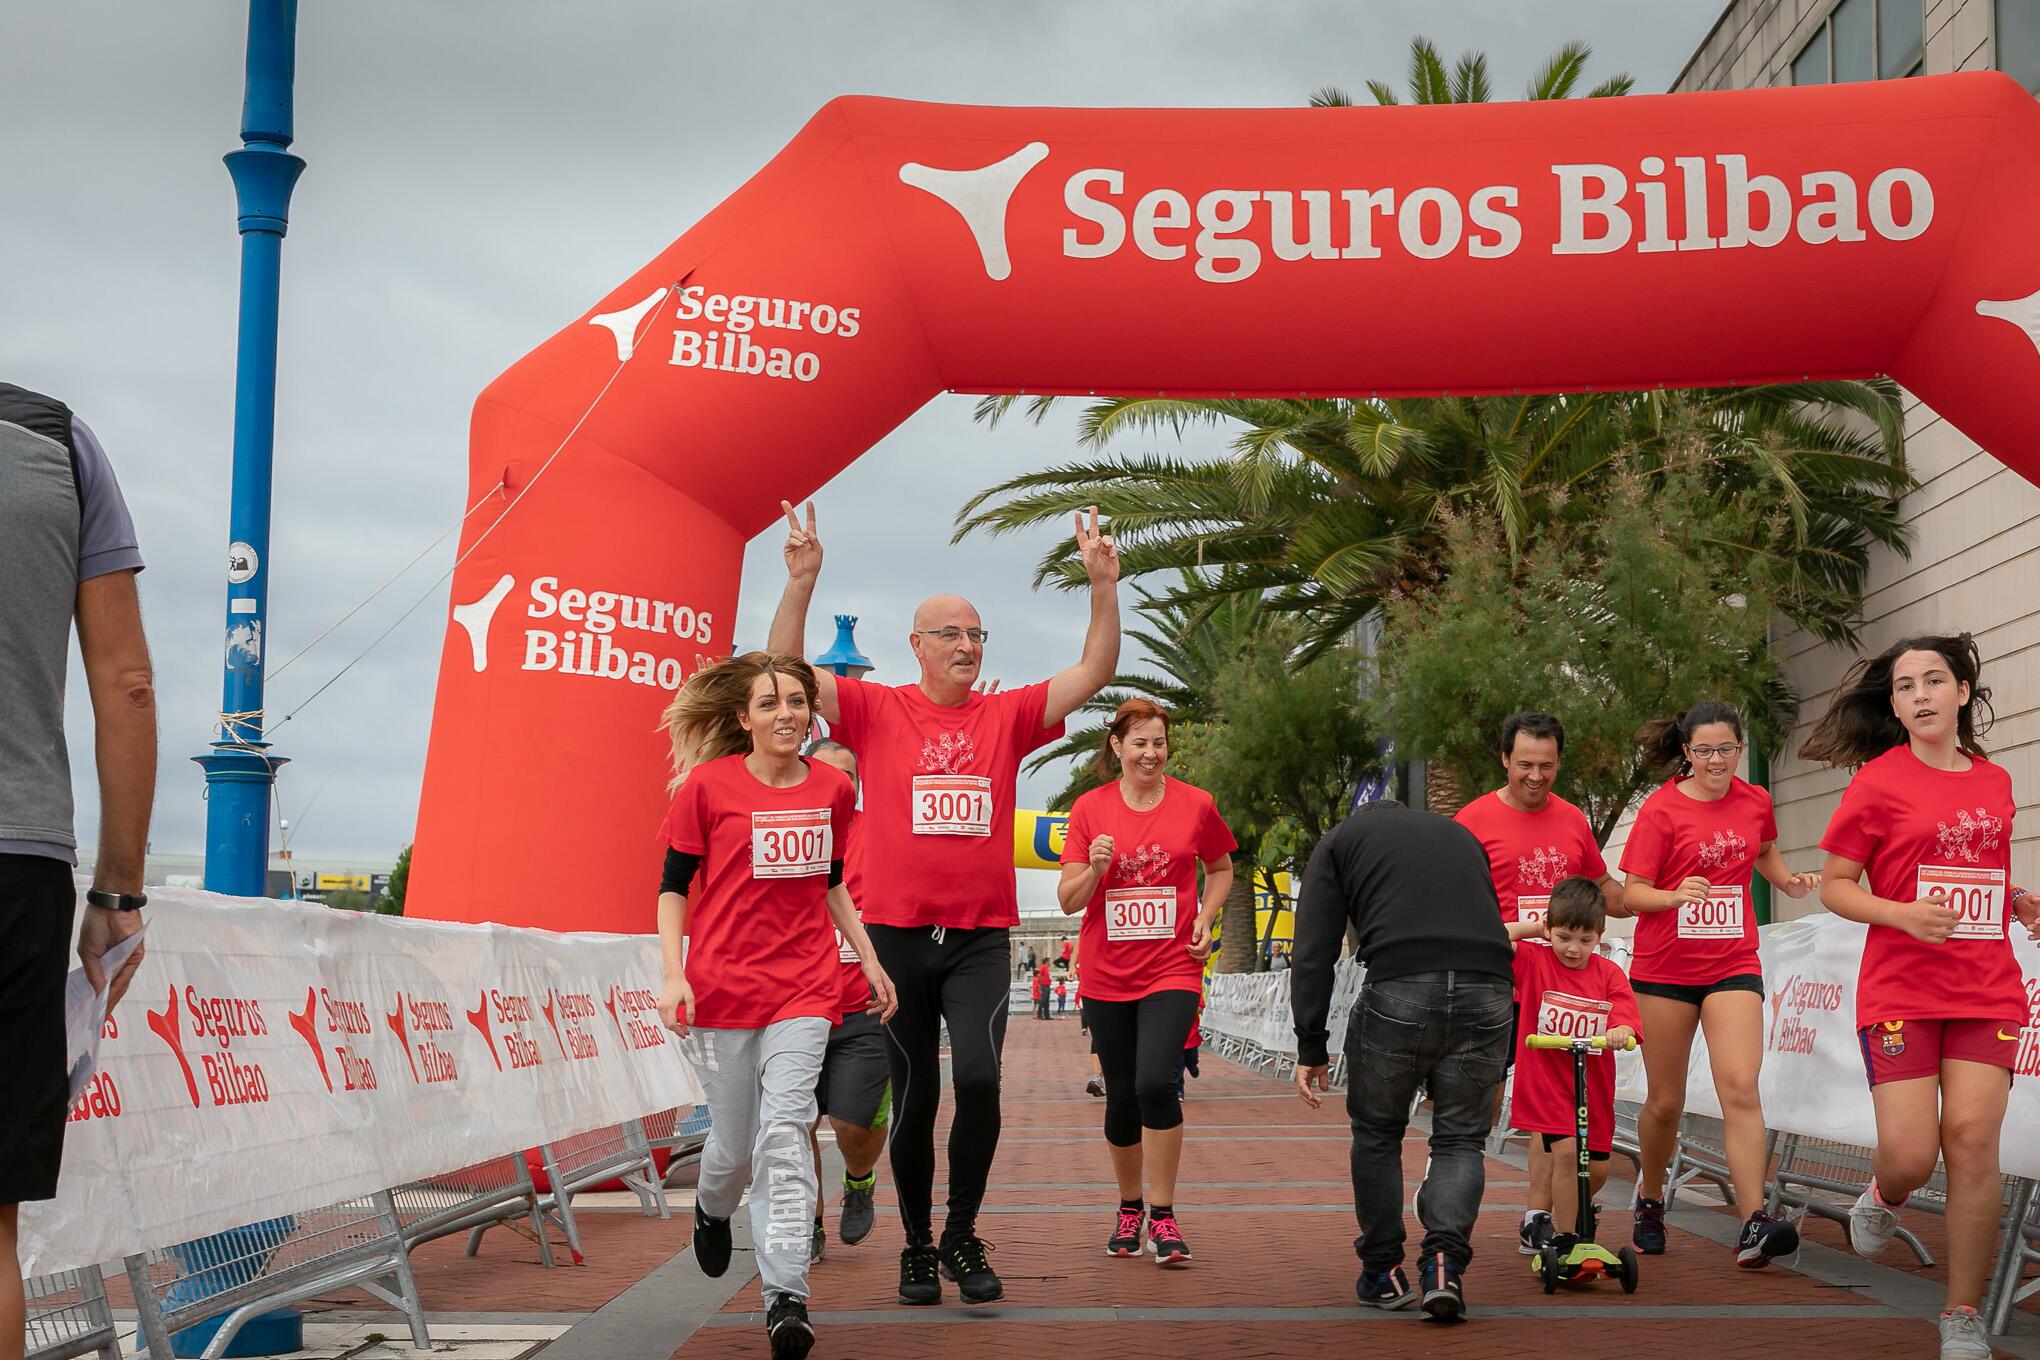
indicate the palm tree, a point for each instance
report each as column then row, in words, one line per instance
column 1468, row 81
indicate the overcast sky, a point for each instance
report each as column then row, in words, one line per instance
column 480, row 173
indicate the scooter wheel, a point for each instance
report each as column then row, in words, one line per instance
column 1630, row 1278
column 1547, row 1270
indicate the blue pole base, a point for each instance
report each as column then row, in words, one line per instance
column 274, row 1333
column 238, row 782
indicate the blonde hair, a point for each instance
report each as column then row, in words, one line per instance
column 704, row 720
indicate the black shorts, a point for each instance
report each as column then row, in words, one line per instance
column 37, row 903
column 1694, row 994
column 1552, row 1140
column 854, row 1072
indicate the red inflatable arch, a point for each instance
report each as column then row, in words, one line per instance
column 895, row 250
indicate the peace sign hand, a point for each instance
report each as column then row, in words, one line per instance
column 1100, row 553
column 803, row 545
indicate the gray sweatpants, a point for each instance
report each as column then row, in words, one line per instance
column 760, row 1085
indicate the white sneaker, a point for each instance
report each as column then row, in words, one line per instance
column 1871, row 1223
column 1963, row 1336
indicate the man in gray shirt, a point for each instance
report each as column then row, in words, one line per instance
column 67, row 552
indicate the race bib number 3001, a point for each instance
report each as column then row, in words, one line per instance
column 1140, row 913
column 1573, row 1017
column 1718, row 917
column 1978, row 896
column 952, row 805
column 1533, row 909
column 790, row 844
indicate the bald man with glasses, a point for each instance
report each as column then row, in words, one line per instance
column 934, row 855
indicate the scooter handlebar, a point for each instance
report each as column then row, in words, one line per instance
column 1559, row 1041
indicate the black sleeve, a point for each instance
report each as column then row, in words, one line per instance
column 835, row 872
column 1320, row 928
column 679, row 872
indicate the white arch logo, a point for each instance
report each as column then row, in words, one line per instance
column 980, row 198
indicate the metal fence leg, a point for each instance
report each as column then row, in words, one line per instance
column 563, row 1204
column 2010, row 1263
column 407, row 1283
column 148, row 1309
column 538, row 1228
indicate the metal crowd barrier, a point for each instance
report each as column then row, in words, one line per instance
column 1700, row 1154
column 2019, row 1247
column 68, row 1316
column 246, row 1271
column 499, row 1190
column 1821, row 1177
column 612, row 1152
column 682, row 1134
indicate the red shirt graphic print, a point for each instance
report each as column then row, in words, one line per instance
column 1915, row 828
column 1676, row 837
column 935, row 840
column 1136, row 932
column 761, row 945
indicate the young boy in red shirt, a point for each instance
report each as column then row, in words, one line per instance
column 1566, row 987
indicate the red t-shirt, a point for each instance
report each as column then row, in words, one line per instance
column 1914, row 827
column 1575, row 1003
column 1529, row 853
column 936, row 842
column 761, row 944
column 1136, row 933
column 856, row 991
column 1677, row 837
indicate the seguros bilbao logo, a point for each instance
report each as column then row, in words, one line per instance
column 574, row 631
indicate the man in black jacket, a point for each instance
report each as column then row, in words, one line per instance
column 1434, row 1013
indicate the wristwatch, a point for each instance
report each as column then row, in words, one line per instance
column 117, row 901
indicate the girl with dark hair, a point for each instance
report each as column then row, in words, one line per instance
column 753, row 882
column 1130, row 860
column 1920, row 852
column 1691, row 856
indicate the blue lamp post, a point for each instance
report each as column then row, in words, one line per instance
column 240, row 772
column 843, row 657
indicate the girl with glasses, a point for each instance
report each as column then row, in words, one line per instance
column 1690, row 861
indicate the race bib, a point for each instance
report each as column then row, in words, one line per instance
column 1573, row 1017
column 952, row 805
column 1718, row 917
column 846, row 952
column 1533, row 909
column 1140, row 913
column 790, row 844
column 1978, row 896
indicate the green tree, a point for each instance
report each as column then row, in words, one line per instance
column 392, row 900
column 1467, row 83
column 347, row 899
column 1652, row 608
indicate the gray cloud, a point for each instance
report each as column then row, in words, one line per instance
column 477, row 174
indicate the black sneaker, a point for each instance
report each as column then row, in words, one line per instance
column 853, row 1225
column 711, row 1244
column 1126, row 1234
column 820, row 1242
column 964, row 1262
column 788, row 1329
column 1763, row 1240
column 920, row 1281
column 1165, row 1240
column 1095, row 1086
column 1649, row 1232
column 1388, row 1289
column 1534, row 1233
column 1444, row 1297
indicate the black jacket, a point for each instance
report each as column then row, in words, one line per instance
column 1415, row 886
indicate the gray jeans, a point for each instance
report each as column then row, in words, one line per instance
column 760, row 1085
column 1450, row 1034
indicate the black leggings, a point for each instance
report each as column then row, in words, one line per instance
column 960, row 976
column 1140, row 1050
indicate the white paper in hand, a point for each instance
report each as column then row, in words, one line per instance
column 85, row 1013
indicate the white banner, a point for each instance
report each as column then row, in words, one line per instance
column 1812, row 1081
column 273, row 1058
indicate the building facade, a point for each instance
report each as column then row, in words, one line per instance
column 1975, row 560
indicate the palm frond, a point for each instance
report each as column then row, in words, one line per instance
column 1612, row 86
column 1330, row 97
column 1428, row 82
column 1556, row 78
column 1470, row 80
column 1383, row 94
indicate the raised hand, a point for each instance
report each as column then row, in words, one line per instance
column 1099, row 552
column 803, row 549
column 986, row 687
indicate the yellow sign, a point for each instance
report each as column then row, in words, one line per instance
column 340, row 882
column 1038, row 839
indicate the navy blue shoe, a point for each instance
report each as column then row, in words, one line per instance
column 1649, row 1232
column 1388, row 1289
column 1444, row 1296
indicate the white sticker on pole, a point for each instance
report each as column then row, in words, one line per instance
column 1718, row 916
column 952, row 805
column 1978, row 896
column 792, row 844
column 1140, row 913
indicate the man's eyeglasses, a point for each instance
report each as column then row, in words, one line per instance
column 1729, row 752
column 952, row 635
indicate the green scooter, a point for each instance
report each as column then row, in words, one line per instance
column 1587, row 1260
